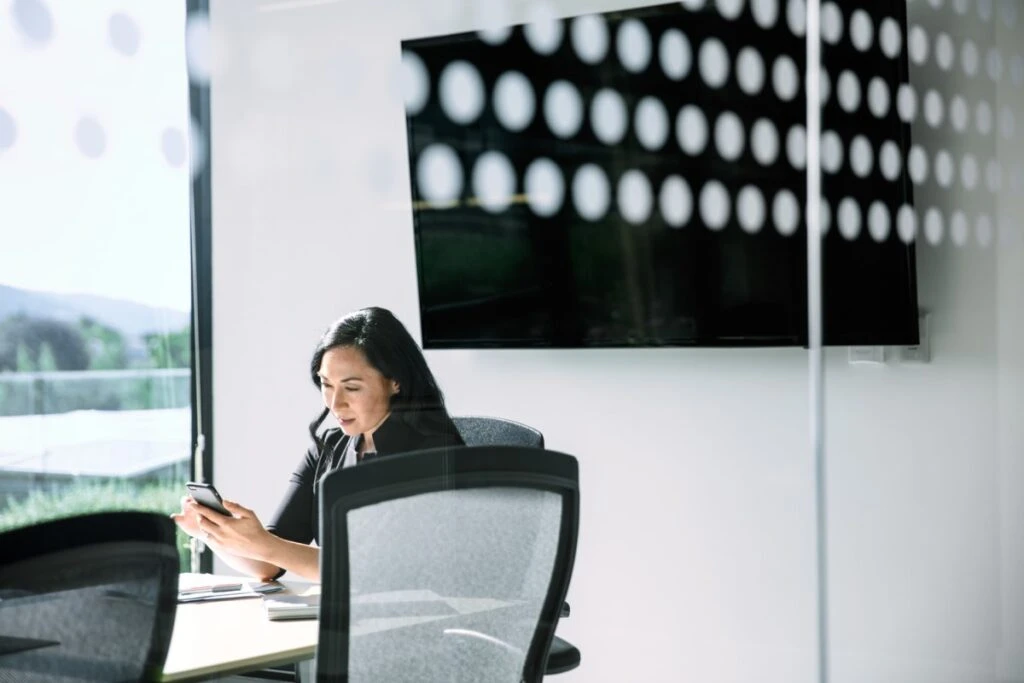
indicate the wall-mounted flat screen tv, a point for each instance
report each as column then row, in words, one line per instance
column 637, row 178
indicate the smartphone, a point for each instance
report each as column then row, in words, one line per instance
column 205, row 494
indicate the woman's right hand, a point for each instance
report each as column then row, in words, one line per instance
column 188, row 519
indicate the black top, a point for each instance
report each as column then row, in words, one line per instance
column 297, row 517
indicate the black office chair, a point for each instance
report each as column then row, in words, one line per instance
column 89, row 598
column 496, row 431
column 445, row 565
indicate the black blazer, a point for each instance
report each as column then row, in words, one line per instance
column 298, row 516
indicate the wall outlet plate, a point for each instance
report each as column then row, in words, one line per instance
column 870, row 355
column 922, row 353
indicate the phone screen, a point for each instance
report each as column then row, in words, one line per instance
column 205, row 494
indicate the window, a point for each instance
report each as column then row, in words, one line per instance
column 95, row 278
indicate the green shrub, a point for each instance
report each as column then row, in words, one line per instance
column 84, row 497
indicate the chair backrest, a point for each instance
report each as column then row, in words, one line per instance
column 496, row 431
column 89, row 598
column 445, row 565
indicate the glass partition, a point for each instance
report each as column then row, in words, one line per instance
column 95, row 271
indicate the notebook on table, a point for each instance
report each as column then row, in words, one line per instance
column 287, row 607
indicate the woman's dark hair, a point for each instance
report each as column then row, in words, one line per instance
column 391, row 350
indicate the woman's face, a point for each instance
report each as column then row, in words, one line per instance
column 357, row 395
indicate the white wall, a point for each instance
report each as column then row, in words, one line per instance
column 696, row 553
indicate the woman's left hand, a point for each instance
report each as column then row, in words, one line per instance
column 241, row 534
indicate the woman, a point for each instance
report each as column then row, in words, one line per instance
column 376, row 383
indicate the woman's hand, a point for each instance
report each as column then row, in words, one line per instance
column 241, row 534
column 188, row 519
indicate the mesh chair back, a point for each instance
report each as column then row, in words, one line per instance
column 496, row 431
column 88, row 598
column 445, row 565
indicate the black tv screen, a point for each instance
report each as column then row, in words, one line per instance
column 636, row 178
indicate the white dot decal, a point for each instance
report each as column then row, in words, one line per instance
column 543, row 30
column 785, row 78
column 33, row 19
column 848, row 91
column 933, row 227
column 198, row 54
column 713, row 62
column 1008, row 12
column 984, row 228
column 750, row 71
column 714, row 205
column 890, row 37
column 589, row 37
column 861, row 156
column 917, row 165
column 994, row 64
column 878, row 221
column 849, row 218
column 8, row 130
column 831, row 152
column 917, row 45
column 514, row 101
column 862, row 30
column 796, row 147
column 878, row 97
column 945, row 53
column 983, row 118
column 90, row 137
column 969, row 58
column 1017, row 70
column 824, row 86
column 634, row 197
column 172, row 144
column 608, row 116
column 944, row 168
column 544, row 187
column 633, row 45
column 766, row 12
column 415, row 83
column 958, row 113
column 796, row 17
column 651, row 123
column 984, row 9
column 729, row 136
column 691, row 130
column 591, row 192
column 750, row 209
column 994, row 176
column 831, row 23
column 786, row 213
column 563, row 109
column 439, row 174
column 764, row 142
column 1006, row 123
column 675, row 54
column 123, row 32
column 906, row 103
column 890, row 161
column 730, row 9
column 906, row 223
column 493, row 17
column 461, row 91
column 959, row 230
column 494, row 181
column 675, row 201
column 824, row 216
column 933, row 108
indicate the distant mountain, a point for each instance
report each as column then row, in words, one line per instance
column 131, row 318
